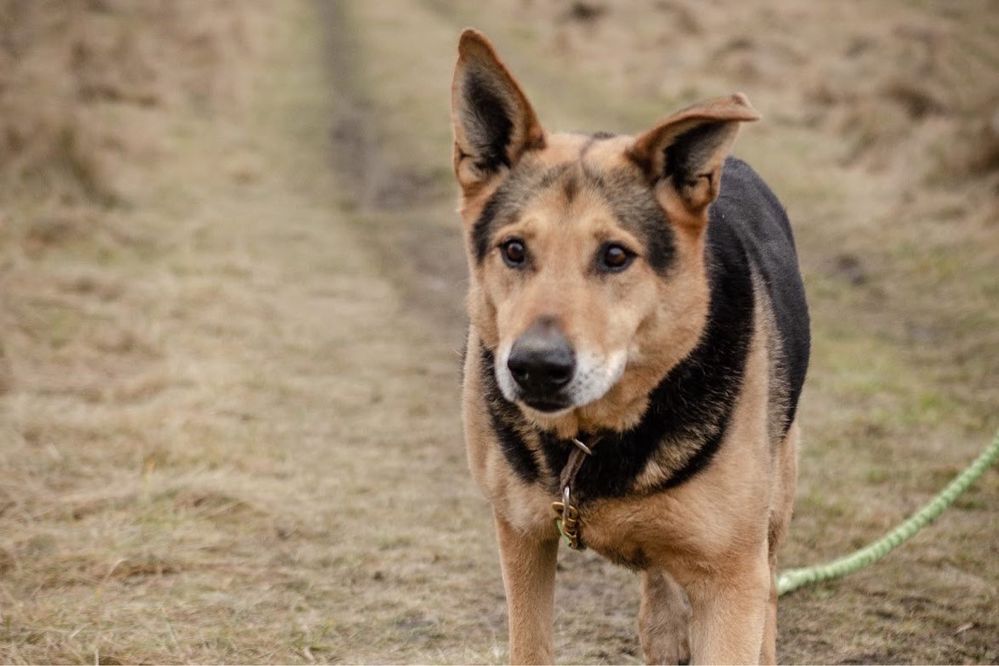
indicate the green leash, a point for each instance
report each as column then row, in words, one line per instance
column 792, row 579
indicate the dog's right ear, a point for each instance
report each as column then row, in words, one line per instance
column 494, row 123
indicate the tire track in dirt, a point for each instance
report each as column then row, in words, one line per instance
column 394, row 202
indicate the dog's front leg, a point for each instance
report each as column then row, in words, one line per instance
column 729, row 613
column 529, row 578
column 664, row 619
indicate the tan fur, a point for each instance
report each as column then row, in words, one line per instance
column 715, row 535
column 663, row 619
column 529, row 579
column 782, row 506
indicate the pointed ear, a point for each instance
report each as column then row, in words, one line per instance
column 686, row 151
column 494, row 123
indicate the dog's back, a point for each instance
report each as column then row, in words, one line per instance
column 749, row 225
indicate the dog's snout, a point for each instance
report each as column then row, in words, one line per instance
column 542, row 360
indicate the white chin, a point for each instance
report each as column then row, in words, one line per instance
column 595, row 376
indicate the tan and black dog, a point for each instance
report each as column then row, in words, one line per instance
column 637, row 346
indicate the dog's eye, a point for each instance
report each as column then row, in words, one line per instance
column 614, row 258
column 514, row 253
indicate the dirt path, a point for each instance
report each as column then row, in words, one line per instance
column 233, row 434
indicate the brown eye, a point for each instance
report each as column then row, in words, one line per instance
column 614, row 258
column 514, row 253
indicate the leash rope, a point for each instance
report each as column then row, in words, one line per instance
column 792, row 579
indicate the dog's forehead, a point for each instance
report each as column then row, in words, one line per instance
column 580, row 171
column 597, row 152
column 576, row 179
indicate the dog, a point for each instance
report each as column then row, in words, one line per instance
column 638, row 341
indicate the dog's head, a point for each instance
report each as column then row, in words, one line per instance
column 586, row 251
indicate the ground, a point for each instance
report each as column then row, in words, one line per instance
column 231, row 306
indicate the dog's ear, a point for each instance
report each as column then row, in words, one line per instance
column 686, row 151
column 494, row 123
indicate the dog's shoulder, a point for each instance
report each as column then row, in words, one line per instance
column 749, row 225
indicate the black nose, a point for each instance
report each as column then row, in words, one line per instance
column 541, row 360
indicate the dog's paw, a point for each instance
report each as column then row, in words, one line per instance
column 671, row 647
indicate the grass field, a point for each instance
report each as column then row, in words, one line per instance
column 231, row 285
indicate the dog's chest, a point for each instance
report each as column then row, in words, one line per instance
column 639, row 532
column 685, row 524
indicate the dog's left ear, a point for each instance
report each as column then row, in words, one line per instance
column 686, row 151
column 494, row 123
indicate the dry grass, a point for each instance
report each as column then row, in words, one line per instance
column 228, row 419
column 86, row 86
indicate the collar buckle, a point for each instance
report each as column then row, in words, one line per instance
column 567, row 518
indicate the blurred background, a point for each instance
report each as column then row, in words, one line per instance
column 231, row 313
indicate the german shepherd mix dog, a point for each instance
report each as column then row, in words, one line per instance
column 638, row 342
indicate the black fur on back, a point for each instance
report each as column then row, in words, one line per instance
column 760, row 225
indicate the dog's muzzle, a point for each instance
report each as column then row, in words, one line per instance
column 542, row 363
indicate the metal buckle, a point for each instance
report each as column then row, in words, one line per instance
column 567, row 519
